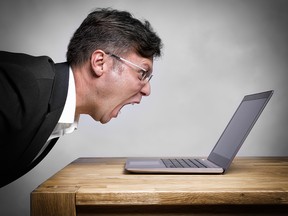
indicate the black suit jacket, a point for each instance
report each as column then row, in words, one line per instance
column 33, row 92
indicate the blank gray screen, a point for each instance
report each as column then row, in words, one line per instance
column 238, row 127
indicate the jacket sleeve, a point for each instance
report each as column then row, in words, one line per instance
column 19, row 96
column 25, row 89
column 11, row 109
column 26, row 85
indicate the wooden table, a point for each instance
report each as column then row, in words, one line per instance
column 100, row 186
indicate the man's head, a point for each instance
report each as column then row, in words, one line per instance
column 115, row 32
column 111, row 55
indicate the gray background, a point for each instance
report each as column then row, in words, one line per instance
column 215, row 52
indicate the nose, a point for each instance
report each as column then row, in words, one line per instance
column 146, row 90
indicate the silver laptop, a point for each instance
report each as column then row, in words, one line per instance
column 223, row 152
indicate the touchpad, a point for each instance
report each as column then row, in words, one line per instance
column 145, row 163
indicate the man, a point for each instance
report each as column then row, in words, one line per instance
column 109, row 65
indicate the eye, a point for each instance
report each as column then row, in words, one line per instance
column 142, row 74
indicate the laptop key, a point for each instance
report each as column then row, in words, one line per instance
column 176, row 163
column 168, row 163
column 190, row 163
column 183, row 163
column 198, row 163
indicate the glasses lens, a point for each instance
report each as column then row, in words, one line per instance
column 146, row 76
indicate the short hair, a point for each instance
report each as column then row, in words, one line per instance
column 115, row 32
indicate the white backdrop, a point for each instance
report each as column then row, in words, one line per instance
column 215, row 52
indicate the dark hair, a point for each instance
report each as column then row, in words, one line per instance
column 115, row 32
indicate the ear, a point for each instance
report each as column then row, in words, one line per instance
column 97, row 61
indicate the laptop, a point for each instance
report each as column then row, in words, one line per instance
column 224, row 150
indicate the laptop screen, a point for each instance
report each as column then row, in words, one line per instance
column 238, row 128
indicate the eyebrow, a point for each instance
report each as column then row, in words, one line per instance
column 149, row 69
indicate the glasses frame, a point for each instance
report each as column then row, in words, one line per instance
column 146, row 76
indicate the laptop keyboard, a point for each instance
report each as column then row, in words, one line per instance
column 183, row 163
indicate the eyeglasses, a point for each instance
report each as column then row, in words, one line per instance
column 146, row 76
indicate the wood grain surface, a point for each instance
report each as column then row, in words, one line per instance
column 89, row 186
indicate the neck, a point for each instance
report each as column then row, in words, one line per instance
column 85, row 93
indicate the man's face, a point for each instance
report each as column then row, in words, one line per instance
column 123, row 85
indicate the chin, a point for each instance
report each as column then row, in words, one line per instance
column 105, row 120
column 102, row 120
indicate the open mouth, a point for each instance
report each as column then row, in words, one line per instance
column 117, row 111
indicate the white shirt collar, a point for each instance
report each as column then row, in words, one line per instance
column 68, row 114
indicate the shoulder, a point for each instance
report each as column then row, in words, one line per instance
column 24, row 75
column 39, row 66
column 25, row 85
